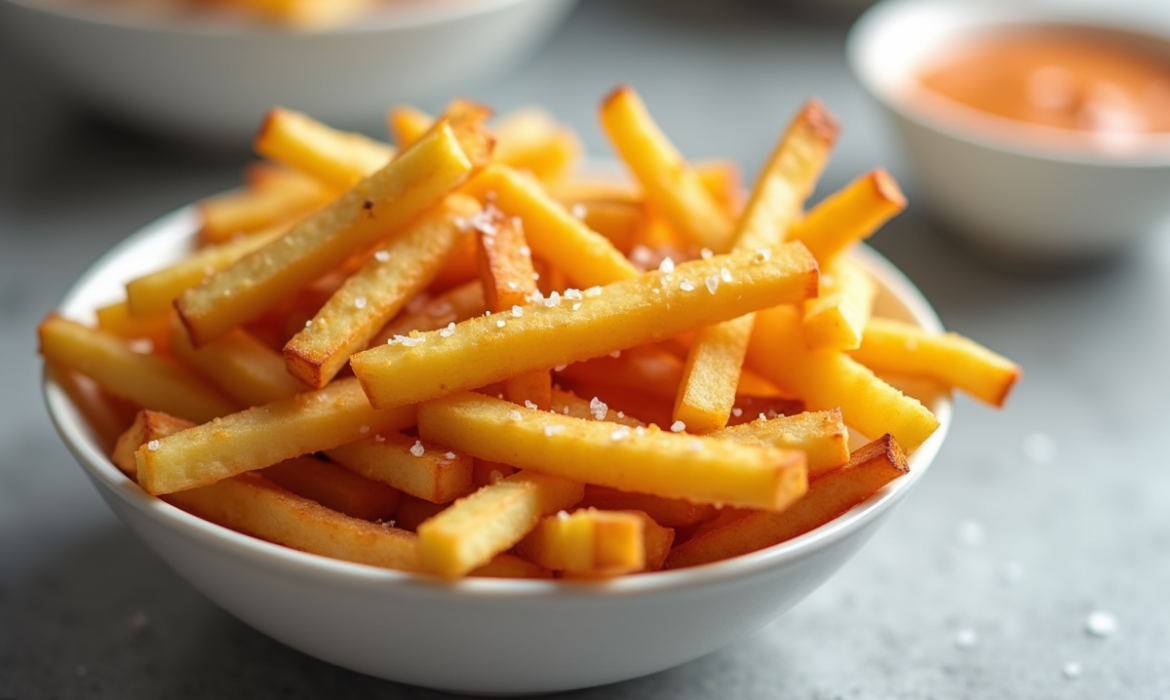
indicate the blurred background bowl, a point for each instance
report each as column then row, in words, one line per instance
column 213, row 81
column 490, row 636
column 997, row 183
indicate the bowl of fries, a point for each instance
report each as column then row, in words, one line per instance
column 514, row 492
column 208, row 71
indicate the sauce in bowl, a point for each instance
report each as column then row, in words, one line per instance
column 1105, row 85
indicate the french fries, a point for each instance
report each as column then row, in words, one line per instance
column 500, row 421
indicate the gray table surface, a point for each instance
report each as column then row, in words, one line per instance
column 1032, row 518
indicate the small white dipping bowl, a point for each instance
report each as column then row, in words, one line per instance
column 212, row 81
column 1021, row 192
column 489, row 636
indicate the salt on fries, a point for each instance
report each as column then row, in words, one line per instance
column 550, row 378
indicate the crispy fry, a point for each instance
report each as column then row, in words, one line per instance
column 651, row 307
column 415, row 467
column 373, row 209
column 116, row 318
column 148, row 381
column 505, row 268
column 334, row 487
column 155, row 294
column 668, row 512
column 869, row 469
column 849, row 216
column 240, row 365
column 827, row 379
column 264, row 435
column 147, row 426
column 490, row 521
column 375, row 293
column 668, row 180
column 707, row 392
column 899, row 348
column 587, row 541
column 642, row 460
column 836, row 319
column 553, row 232
column 407, row 124
column 821, row 435
column 454, row 306
column 338, row 159
column 278, row 196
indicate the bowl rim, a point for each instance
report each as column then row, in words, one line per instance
column 883, row 18
column 182, row 224
column 417, row 15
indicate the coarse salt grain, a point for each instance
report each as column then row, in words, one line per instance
column 725, row 274
column 592, row 292
column 517, row 311
column 500, row 323
column 411, row 342
column 553, row 300
column 551, row 430
column 575, row 306
column 525, row 251
column 152, row 445
column 450, row 455
column 712, row 283
column 686, row 286
column 573, row 294
column 706, row 253
column 678, row 426
column 529, row 404
column 737, row 411
column 513, row 286
column 666, row 266
column 641, row 255
column 360, row 303
column 598, row 408
column 514, row 416
column 417, row 449
column 620, row 433
column 382, row 255
column 448, row 331
column 309, row 323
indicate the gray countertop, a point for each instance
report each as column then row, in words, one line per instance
column 978, row 587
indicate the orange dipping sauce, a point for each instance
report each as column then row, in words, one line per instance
column 1102, row 83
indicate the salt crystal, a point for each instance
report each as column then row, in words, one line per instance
column 593, row 292
column 309, row 323
column 554, row 300
column 725, row 274
column 762, row 416
column 678, row 426
column 706, row 253
column 966, row 638
column 525, row 251
column 1100, row 623
column 417, row 449
column 513, row 286
column 514, row 415
column 563, row 515
column 500, row 323
column 641, row 255
column 620, row 433
column 712, row 283
column 152, row 445
column 360, row 302
column 517, row 311
column 621, row 414
column 573, row 294
column 551, row 430
column 448, row 331
column 576, row 306
column 737, row 411
column 666, row 266
column 451, row 455
column 598, row 408
column 579, row 210
column 411, row 342
column 686, row 286
column 559, row 368
column 382, row 255
column 529, row 404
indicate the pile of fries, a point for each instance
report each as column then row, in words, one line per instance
column 454, row 356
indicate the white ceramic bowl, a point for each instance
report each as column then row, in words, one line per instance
column 1001, row 184
column 213, row 82
column 484, row 635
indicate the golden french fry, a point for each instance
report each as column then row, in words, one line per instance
column 820, row 435
column 836, row 319
column 375, row 293
column 587, row 541
column 148, row 381
column 412, row 466
column 370, row 211
column 278, row 196
column 155, row 294
column 588, row 324
column 264, row 435
column 869, row 469
column 147, row 426
column 338, row 159
column 827, row 379
column 117, row 318
column 607, row 454
column 707, row 392
column 552, row 231
column 531, row 140
column 849, row 216
column 490, row 521
column 899, row 348
column 240, row 365
column 668, row 180
column 334, row 487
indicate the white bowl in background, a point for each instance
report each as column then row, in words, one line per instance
column 488, row 636
column 213, row 81
column 1009, row 187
